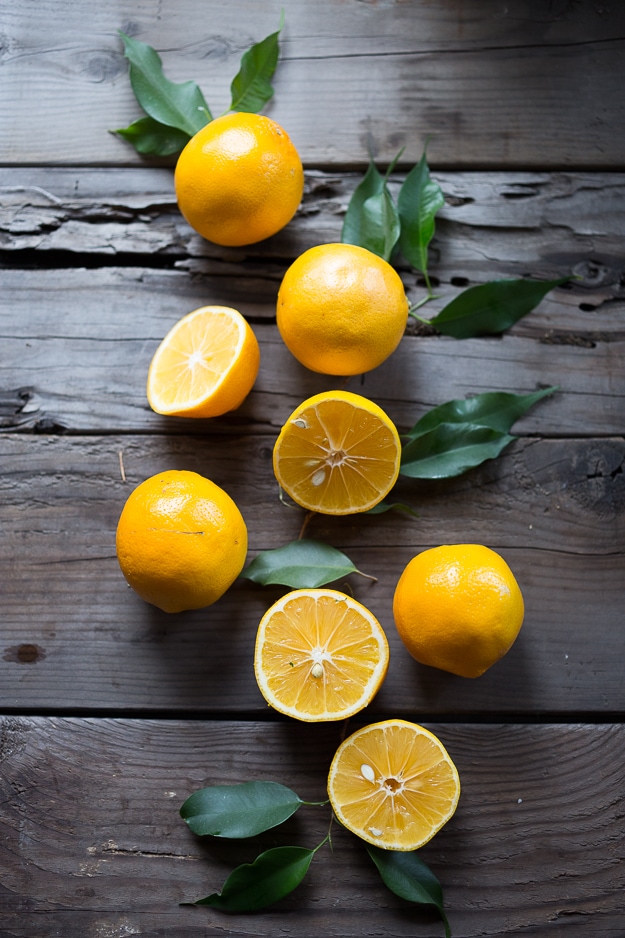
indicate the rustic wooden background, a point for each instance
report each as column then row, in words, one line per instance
column 111, row 712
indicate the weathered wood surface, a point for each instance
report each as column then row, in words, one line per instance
column 91, row 842
column 492, row 225
column 524, row 109
column 524, row 85
column 75, row 636
column 113, row 317
column 75, row 357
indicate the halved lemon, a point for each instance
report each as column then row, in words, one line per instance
column 393, row 784
column 320, row 655
column 205, row 366
column 338, row 453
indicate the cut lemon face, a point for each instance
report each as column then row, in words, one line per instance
column 338, row 453
column 205, row 366
column 393, row 784
column 320, row 655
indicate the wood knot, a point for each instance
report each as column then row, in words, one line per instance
column 26, row 653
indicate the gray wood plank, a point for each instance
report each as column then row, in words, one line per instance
column 492, row 225
column 75, row 636
column 77, row 344
column 91, row 842
column 511, row 87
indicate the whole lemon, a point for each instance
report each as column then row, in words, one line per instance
column 181, row 541
column 458, row 607
column 341, row 309
column 239, row 179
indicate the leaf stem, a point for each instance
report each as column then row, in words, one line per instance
column 422, row 302
column 306, row 522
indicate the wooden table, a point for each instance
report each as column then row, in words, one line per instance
column 113, row 712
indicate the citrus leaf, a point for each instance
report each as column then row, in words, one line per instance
column 176, row 105
column 252, row 886
column 495, row 409
column 450, row 449
column 251, row 87
column 151, row 137
column 410, row 878
column 385, row 506
column 371, row 220
column 491, row 308
column 381, row 222
column 303, row 564
column 239, row 810
column 419, row 199
column 371, row 184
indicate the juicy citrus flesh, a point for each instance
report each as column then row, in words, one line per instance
column 338, row 453
column 181, row 541
column 393, row 784
column 239, row 180
column 205, row 366
column 458, row 608
column 341, row 309
column 320, row 655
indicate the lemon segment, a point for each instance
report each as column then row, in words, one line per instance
column 319, row 655
column 205, row 366
column 338, row 453
column 393, row 784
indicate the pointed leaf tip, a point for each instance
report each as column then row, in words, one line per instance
column 253, row 886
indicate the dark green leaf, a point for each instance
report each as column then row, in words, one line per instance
column 176, row 105
column 419, row 199
column 381, row 223
column 371, row 184
column 450, row 449
column 251, row 87
column 409, row 877
column 303, row 564
column 385, row 506
column 252, row 886
column 149, row 136
column 239, row 810
column 371, row 220
column 495, row 409
column 491, row 308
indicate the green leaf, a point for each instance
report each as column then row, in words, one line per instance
column 252, row 886
column 385, row 506
column 239, row 810
column 419, row 199
column 371, row 220
column 303, row 564
column 491, row 308
column 176, row 105
column 151, row 137
column 251, row 87
column 409, row 877
column 381, row 222
column 498, row 410
column 450, row 449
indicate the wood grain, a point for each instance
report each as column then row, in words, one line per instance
column 492, row 225
column 75, row 636
column 91, row 842
column 516, row 87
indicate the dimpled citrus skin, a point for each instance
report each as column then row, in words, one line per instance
column 458, row 608
column 341, row 310
column 239, row 180
column 181, row 541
